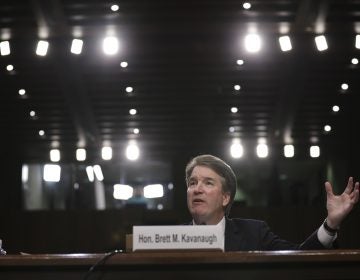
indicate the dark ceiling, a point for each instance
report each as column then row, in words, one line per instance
column 182, row 66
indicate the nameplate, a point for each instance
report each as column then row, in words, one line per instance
column 185, row 237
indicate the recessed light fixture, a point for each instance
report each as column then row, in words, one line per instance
column 354, row 61
column 129, row 89
column 5, row 48
column 289, row 151
column 336, row 108
column 246, row 5
column 76, row 46
column 344, row 86
column 110, row 45
column 42, row 48
column 239, row 62
column 285, row 43
column 124, row 64
column 114, row 8
column 252, row 43
column 237, row 87
column 321, row 43
column 327, row 128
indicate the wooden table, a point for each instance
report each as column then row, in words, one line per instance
column 327, row 264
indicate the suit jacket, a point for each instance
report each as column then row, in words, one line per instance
column 254, row 235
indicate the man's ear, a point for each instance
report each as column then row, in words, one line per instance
column 226, row 198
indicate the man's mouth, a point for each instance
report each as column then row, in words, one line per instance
column 198, row 201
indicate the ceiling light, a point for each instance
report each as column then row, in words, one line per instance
column 114, row 8
column 32, row 114
column 231, row 129
column 154, row 191
column 262, row 150
column 236, row 149
column 52, row 173
column 81, row 154
column 98, row 173
column 55, row 155
column 136, row 131
column 285, row 43
column 314, row 151
column 10, row 67
column 234, row 110
column 124, row 64
column 123, row 192
column 357, row 42
column 246, row 5
column 327, row 128
column 132, row 151
column 321, row 43
column 76, row 46
column 344, row 86
column 41, row 132
column 129, row 89
column 5, row 48
column 106, row 153
column 90, row 173
column 252, row 43
column 22, row 92
column 25, row 173
column 239, row 62
column 132, row 111
column 237, row 87
column 354, row 61
column 42, row 48
column 110, row 45
column 336, row 108
column 289, row 151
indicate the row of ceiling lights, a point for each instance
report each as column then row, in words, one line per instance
column 111, row 46
column 236, row 150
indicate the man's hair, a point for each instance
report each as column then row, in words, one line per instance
column 221, row 168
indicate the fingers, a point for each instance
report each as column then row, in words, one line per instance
column 354, row 196
column 349, row 186
column 328, row 189
column 355, row 193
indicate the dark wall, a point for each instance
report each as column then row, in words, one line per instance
column 101, row 231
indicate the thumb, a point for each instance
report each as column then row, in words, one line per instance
column 329, row 189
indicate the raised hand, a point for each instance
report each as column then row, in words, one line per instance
column 339, row 206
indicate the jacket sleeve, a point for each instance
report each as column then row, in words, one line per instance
column 270, row 241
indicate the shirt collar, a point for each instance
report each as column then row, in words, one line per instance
column 221, row 224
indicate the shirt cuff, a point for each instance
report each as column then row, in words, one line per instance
column 325, row 238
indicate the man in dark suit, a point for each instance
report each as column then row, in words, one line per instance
column 211, row 188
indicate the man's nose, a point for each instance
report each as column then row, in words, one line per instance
column 199, row 187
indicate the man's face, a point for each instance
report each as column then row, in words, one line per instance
column 205, row 196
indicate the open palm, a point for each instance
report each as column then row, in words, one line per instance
column 339, row 206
